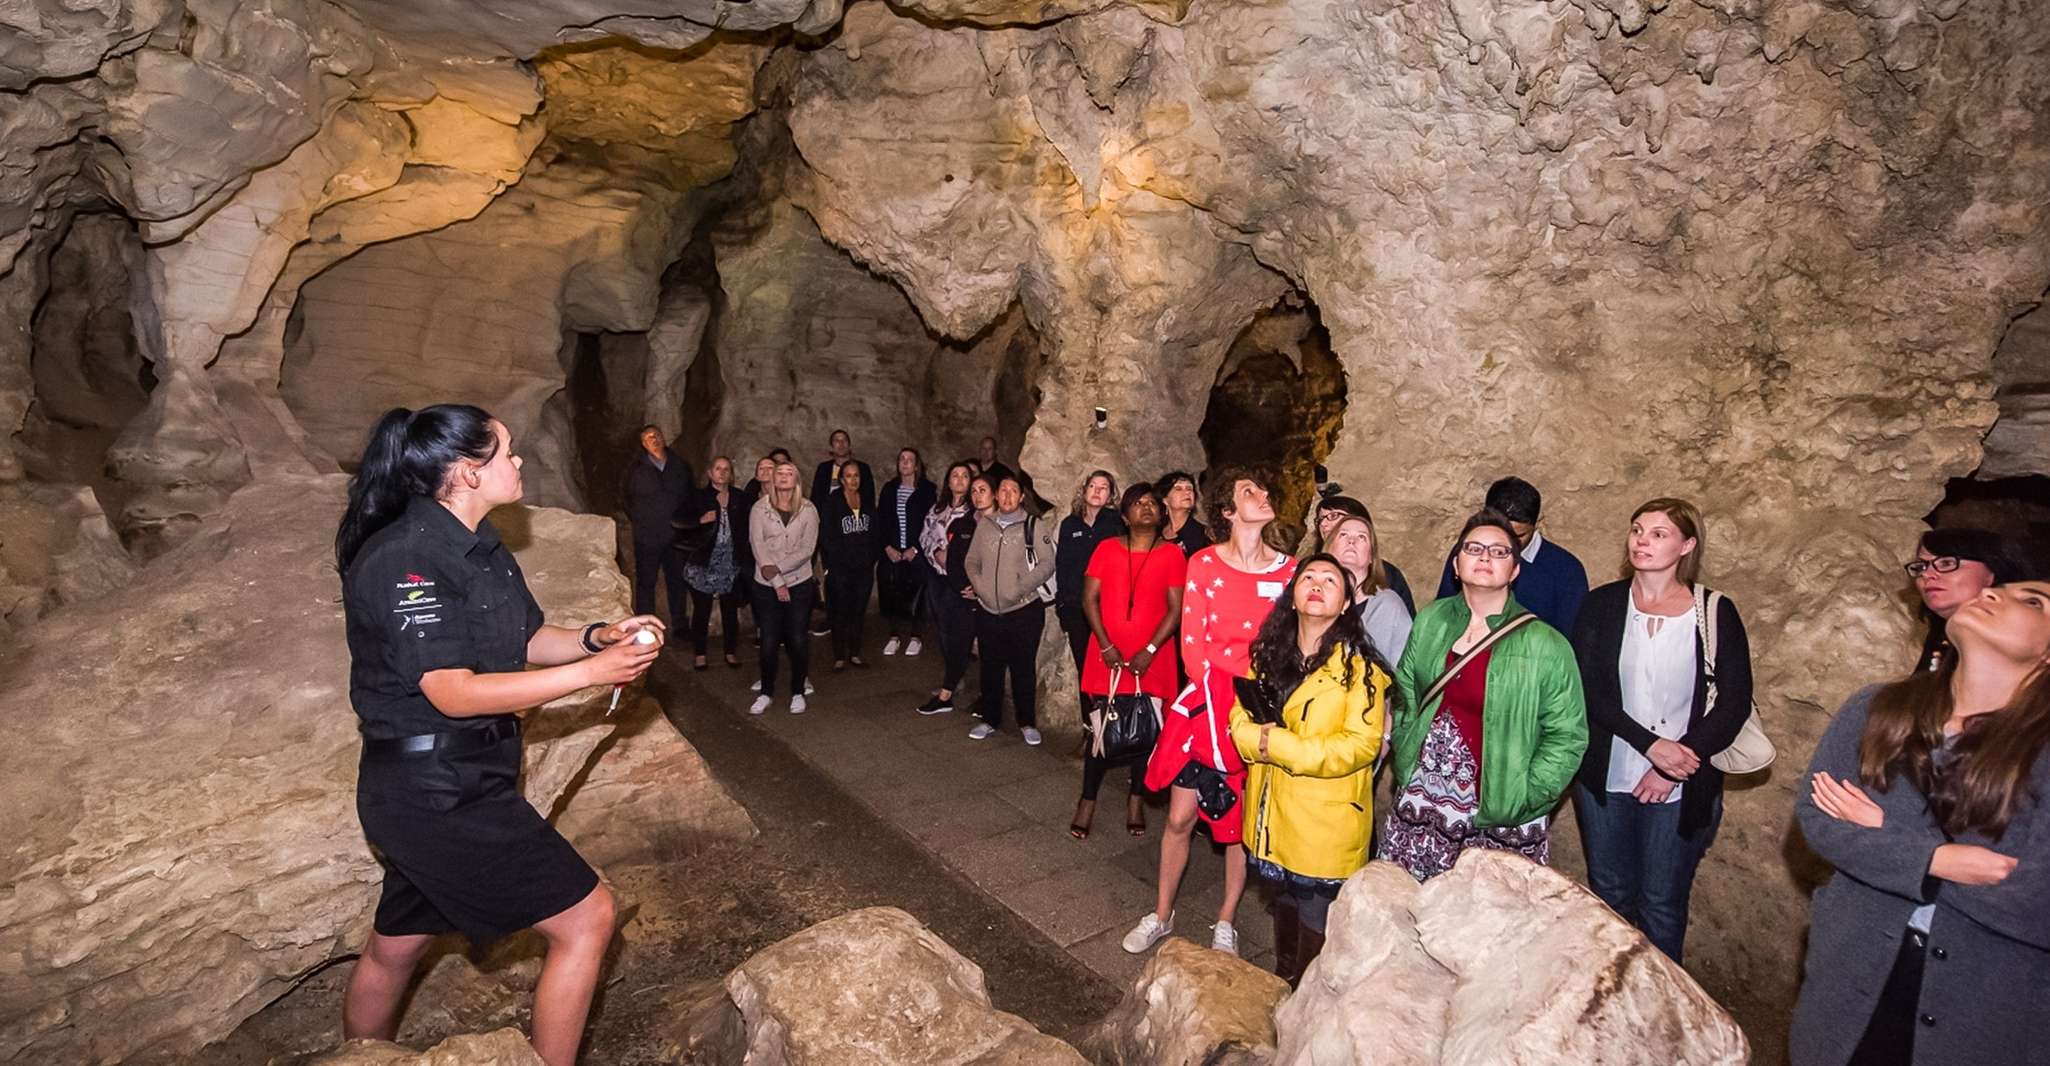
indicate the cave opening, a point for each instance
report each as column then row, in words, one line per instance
column 2009, row 493
column 88, row 376
column 1278, row 405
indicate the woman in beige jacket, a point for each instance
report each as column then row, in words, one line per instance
column 783, row 530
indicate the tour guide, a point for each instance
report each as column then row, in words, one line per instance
column 441, row 629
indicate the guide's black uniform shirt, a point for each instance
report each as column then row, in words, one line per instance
column 424, row 594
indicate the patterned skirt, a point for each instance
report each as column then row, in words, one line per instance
column 1433, row 818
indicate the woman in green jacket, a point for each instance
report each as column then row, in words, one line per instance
column 1483, row 761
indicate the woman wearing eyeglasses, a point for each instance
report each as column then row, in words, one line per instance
column 1491, row 724
column 1950, row 569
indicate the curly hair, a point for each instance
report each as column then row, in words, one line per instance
column 1218, row 505
column 1278, row 664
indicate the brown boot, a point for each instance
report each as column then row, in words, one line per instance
column 1287, row 935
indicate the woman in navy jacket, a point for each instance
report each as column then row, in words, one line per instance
column 1648, row 802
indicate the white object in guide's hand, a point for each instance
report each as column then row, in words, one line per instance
column 643, row 636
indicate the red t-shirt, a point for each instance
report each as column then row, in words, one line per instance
column 1464, row 697
column 1222, row 608
column 1133, row 601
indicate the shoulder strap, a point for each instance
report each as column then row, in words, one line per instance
column 1438, row 687
column 1704, row 623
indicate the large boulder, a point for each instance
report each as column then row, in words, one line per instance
column 1192, row 1006
column 181, row 838
column 649, row 796
column 868, row 987
column 1499, row 961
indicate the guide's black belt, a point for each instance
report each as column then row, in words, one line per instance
column 454, row 741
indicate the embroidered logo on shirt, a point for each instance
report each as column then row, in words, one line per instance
column 418, row 605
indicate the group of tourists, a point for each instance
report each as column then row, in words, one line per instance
column 1263, row 691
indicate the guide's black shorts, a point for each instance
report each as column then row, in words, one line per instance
column 463, row 850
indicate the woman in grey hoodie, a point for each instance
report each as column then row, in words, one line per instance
column 1009, row 563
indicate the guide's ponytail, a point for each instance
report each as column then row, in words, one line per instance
column 408, row 455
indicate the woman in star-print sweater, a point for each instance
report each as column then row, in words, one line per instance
column 1229, row 588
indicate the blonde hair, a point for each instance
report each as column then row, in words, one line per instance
column 1377, row 574
column 796, row 486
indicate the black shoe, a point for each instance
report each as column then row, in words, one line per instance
column 936, row 705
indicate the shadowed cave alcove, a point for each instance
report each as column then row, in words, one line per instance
column 2010, row 492
column 1279, row 404
column 89, row 378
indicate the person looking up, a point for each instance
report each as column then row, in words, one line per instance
column 1131, row 602
column 987, row 461
column 900, row 577
column 657, row 481
column 851, row 541
column 1010, row 559
column 1183, row 525
column 1226, row 594
column 952, row 616
column 1930, row 943
column 447, row 649
column 1950, row 569
column 1308, row 722
column 1330, row 510
column 714, row 543
column 1491, row 723
column 765, row 468
column 1382, row 613
column 982, row 497
column 1091, row 520
column 1550, row 581
column 825, row 480
column 1649, row 802
column 783, row 532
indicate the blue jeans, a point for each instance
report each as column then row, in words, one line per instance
column 1640, row 864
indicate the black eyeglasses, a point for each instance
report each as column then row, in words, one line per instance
column 1942, row 565
column 1495, row 551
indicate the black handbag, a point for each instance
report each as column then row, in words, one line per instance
column 1214, row 796
column 1123, row 727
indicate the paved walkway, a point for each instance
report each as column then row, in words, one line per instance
column 995, row 810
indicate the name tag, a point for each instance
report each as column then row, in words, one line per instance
column 1271, row 590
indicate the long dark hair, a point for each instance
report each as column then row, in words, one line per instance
column 1995, row 754
column 945, row 500
column 408, row 455
column 1278, row 664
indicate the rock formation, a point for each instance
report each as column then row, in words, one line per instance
column 500, row 1047
column 1497, row 961
column 181, row 780
column 869, row 988
column 1192, row 1006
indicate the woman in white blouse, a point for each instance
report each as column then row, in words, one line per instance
column 1648, row 801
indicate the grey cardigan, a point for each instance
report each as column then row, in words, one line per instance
column 1986, row 984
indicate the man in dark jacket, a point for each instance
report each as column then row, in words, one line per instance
column 657, row 481
column 1550, row 583
column 826, row 479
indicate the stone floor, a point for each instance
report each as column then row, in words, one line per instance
column 995, row 810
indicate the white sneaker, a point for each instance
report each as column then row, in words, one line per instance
column 1150, row 931
column 808, row 690
column 890, row 646
column 755, row 685
column 797, row 705
column 982, row 731
column 1031, row 735
column 913, row 647
column 1224, row 938
column 760, row 704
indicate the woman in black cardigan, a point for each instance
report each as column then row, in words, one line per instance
column 711, row 530
column 1647, row 800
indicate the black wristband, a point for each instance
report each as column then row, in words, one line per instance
column 585, row 637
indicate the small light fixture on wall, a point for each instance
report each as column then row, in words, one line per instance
column 1102, row 416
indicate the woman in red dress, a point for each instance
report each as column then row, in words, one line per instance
column 1132, row 598
column 1226, row 594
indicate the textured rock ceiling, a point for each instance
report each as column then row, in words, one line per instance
column 1757, row 252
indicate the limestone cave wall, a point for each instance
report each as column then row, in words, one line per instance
column 1766, row 254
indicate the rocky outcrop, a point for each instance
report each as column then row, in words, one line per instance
column 57, row 548
column 649, row 797
column 869, row 987
column 1192, row 1006
column 500, row 1047
column 1499, row 960
column 180, row 778
column 2019, row 443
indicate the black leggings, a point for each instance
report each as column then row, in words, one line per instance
column 729, row 618
column 954, row 616
column 1010, row 643
column 1094, row 770
column 847, row 590
column 899, row 587
column 1076, row 625
column 782, row 625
